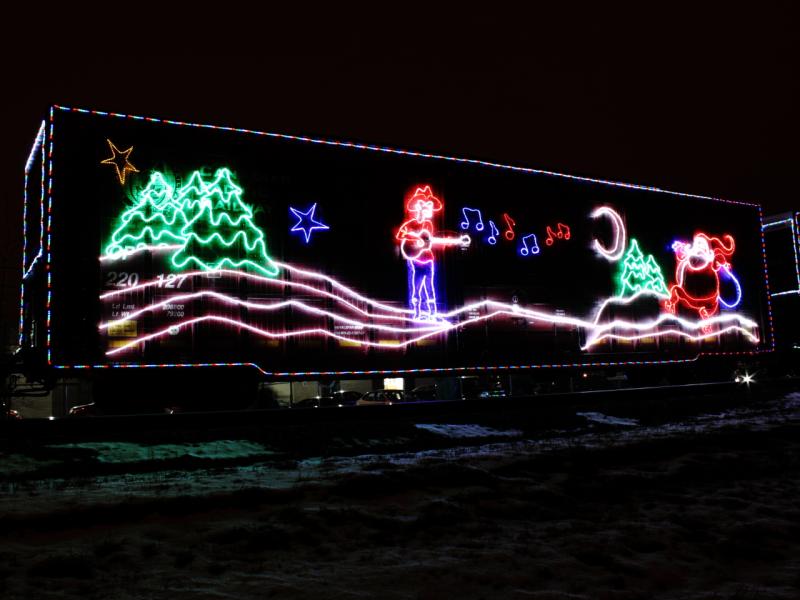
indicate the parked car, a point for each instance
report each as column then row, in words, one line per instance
column 335, row 400
column 83, row 410
column 314, row 402
column 425, row 393
column 376, row 397
column 346, row 397
column 12, row 414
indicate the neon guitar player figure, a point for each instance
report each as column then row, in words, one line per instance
column 417, row 243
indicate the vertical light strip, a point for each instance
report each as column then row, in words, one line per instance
column 795, row 243
column 766, row 278
column 38, row 146
column 40, row 251
column 793, row 226
column 49, row 264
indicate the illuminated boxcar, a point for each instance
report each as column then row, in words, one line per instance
column 153, row 244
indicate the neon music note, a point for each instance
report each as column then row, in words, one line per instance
column 465, row 224
column 562, row 234
column 492, row 239
column 525, row 250
column 509, row 233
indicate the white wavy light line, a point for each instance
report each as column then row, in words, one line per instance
column 670, row 332
column 192, row 321
column 286, row 334
column 399, row 345
column 626, row 300
column 505, row 308
column 685, row 322
column 428, row 325
column 342, row 287
column 446, row 315
column 598, row 332
column 725, row 318
column 272, row 281
column 513, row 309
column 280, row 265
column 269, row 334
column 517, row 311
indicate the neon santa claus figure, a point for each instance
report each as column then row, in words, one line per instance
column 697, row 275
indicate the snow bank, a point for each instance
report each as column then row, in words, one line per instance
column 467, row 431
column 597, row 417
column 126, row 452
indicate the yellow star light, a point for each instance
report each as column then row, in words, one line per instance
column 119, row 158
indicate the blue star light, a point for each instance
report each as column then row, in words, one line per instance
column 306, row 222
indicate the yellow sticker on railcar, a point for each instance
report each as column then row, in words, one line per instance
column 123, row 329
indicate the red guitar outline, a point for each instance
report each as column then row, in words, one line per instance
column 417, row 242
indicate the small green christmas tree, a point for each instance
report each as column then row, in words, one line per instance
column 191, row 194
column 640, row 273
column 221, row 234
column 156, row 219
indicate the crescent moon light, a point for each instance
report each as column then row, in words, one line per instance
column 616, row 251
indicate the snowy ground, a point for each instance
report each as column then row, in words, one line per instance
column 703, row 506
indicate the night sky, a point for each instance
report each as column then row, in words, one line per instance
column 695, row 101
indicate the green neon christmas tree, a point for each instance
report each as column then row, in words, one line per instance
column 640, row 273
column 156, row 218
column 191, row 194
column 222, row 233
